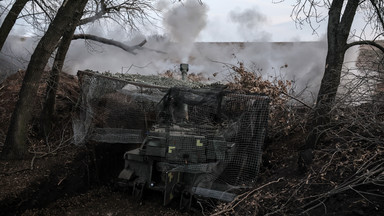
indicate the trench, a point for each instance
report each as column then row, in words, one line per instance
column 109, row 160
column 95, row 166
column 50, row 188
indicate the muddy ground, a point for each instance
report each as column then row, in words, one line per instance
column 59, row 178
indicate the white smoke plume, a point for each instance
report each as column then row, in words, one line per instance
column 162, row 5
column 249, row 23
column 249, row 18
column 184, row 23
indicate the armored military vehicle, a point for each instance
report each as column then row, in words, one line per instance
column 203, row 142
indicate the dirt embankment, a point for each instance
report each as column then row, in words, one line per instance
column 54, row 168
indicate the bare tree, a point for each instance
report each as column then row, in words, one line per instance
column 341, row 15
column 10, row 20
column 125, row 13
column 39, row 14
column 53, row 81
column 68, row 15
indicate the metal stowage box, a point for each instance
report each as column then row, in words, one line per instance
column 187, row 149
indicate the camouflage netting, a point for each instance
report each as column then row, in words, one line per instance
column 211, row 132
column 231, row 126
column 111, row 101
column 113, row 109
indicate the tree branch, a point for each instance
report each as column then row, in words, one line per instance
column 43, row 8
column 98, row 14
column 296, row 99
column 365, row 42
column 347, row 19
column 122, row 46
column 239, row 199
column 378, row 12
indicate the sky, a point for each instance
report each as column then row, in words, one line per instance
column 252, row 20
column 257, row 20
column 274, row 23
column 229, row 20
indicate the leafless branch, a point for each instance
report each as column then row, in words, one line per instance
column 60, row 144
column 365, row 42
column 43, row 7
column 122, row 46
column 240, row 199
column 378, row 12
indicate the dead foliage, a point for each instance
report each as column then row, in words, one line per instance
column 47, row 154
column 193, row 77
column 199, row 77
column 168, row 74
column 346, row 177
column 286, row 114
column 347, row 174
column 66, row 99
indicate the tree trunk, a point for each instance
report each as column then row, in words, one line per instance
column 53, row 82
column 339, row 26
column 16, row 146
column 10, row 20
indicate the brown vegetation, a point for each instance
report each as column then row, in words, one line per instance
column 347, row 174
column 284, row 117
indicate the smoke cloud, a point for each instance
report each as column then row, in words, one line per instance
column 302, row 62
column 249, row 18
column 249, row 24
column 184, row 23
column 162, row 5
